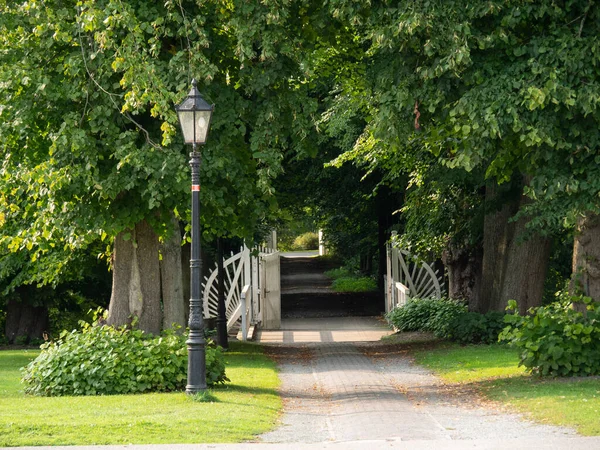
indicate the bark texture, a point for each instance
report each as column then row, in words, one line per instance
column 526, row 267
column 171, row 275
column 497, row 234
column 146, row 300
column 463, row 265
column 136, row 280
column 122, row 260
column 513, row 268
column 586, row 258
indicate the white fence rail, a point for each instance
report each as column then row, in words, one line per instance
column 409, row 277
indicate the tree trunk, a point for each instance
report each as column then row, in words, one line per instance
column 146, row 273
column 463, row 265
column 497, row 233
column 586, row 258
column 513, row 268
column 172, row 278
column 136, row 280
column 25, row 322
column 525, row 272
column 122, row 261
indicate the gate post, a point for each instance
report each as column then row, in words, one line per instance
column 256, row 289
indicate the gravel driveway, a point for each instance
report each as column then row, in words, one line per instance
column 366, row 391
column 337, row 387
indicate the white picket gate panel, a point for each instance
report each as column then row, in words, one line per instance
column 409, row 277
column 270, row 291
column 233, row 268
column 243, row 288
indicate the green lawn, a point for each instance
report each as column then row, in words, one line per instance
column 247, row 406
column 493, row 369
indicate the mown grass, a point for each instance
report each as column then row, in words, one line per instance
column 494, row 371
column 238, row 411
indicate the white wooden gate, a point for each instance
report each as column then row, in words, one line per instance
column 409, row 277
column 270, row 291
column 246, row 290
column 237, row 269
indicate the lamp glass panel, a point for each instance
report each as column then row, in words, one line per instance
column 202, row 123
column 186, row 119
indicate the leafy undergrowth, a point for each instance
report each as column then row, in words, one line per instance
column 238, row 411
column 493, row 370
column 345, row 280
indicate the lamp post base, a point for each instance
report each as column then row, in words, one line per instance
column 196, row 344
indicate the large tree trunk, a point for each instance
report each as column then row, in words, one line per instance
column 525, row 272
column 513, row 268
column 25, row 322
column 146, row 300
column 586, row 258
column 122, row 261
column 136, row 280
column 497, row 233
column 463, row 265
column 171, row 275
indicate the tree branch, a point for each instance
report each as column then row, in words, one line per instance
column 587, row 10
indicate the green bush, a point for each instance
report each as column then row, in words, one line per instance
column 425, row 314
column 556, row 339
column 447, row 319
column 105, row 360
column 444, row 313
column 340, row 272
column 475, row 328
column 307, row 241
column 353, row 284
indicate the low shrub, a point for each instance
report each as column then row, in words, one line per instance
column 447, row 319
column 424, row 314
column 339, row 272
column 354, row 284
column 476, row 328
column 307, row 241
column 556, row 339
column 444, row 313
column 105, row 360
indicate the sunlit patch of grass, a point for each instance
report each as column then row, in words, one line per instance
column 459, row 364
column 494, row 371
column 573, row 402
column 235, row 412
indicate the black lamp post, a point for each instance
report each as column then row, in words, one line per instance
column 194, row 117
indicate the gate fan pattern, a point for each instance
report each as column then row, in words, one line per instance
column 418, row 276
column 234, row 281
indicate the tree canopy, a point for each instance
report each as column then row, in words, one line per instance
column 90, row 138
column 462, row 114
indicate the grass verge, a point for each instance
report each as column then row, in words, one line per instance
column 238, row 411
column 493, row 370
